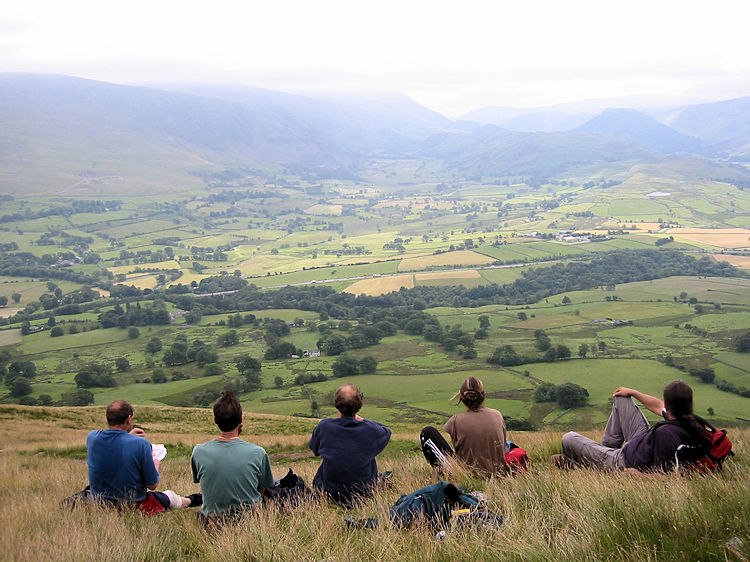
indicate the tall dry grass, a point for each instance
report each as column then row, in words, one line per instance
column 549, row 514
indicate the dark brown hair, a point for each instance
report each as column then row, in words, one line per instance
column 118, row 412
column 348, row 400
column 678, row 400
column 227, row 411
column 472, row 393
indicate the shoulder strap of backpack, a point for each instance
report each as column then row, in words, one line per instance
column 652, row 431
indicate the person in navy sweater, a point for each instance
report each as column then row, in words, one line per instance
column 348, row 445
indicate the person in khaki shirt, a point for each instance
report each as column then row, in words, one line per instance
column 478, row 434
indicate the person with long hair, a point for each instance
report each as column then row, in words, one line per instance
column 628, row 442
column 478, row 434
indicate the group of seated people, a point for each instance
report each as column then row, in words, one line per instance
column 233, row 473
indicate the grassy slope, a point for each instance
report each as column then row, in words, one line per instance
column 572, row 515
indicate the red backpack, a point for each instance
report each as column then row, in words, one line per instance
column 719, row 450
column 517, row 459
column 707, row 451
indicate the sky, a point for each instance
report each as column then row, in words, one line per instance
column 452, row 56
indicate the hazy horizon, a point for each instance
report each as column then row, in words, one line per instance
column 451, row 59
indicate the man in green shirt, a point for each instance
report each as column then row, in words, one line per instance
column 232, row 472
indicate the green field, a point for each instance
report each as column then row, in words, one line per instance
column 331, row 233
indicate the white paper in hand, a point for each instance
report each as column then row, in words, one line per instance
column 158, row 451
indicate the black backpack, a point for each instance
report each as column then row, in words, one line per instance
column 288, row 492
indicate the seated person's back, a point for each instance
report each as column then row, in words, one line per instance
column 120, row 465
column 232, row 472
column 348, row 445
column 478, row 438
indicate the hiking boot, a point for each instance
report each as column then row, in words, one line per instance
column 362, row 523
column 195, row 499
column 561, row 461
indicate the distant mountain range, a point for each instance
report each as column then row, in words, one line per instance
column 59, row 131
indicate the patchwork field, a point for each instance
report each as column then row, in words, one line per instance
column 381, row 285
column 735, row 238
column 457, row 258
column 742, row 262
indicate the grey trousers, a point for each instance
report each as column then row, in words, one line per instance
column 625, row 422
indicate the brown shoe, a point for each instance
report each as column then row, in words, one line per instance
column 561, row 461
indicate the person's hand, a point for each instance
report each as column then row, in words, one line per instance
column 138, row 432
column 623, row 391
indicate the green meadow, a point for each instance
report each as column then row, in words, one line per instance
column 295, row 231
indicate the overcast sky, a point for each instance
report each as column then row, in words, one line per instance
column 452, row 56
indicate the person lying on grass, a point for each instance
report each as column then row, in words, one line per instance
column 232, row 472
column 348, row 445
column 122, row 469
column 643, row 450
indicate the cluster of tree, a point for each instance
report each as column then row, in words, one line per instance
column 359, row 337
column 134, row 316
column 567, row 395
column 665, row 240
column 80, row 243
column 453, row 339
column 231, row 196
column 18, row 374
column 250, row 373
column 42, row 400
column 306, row 378
column 228, row 339
column 25, row 264
column 484, row 325
column 507, row 356
column 347, row 250
column 238, row 320
column 347, row 365
column 279, row 349
column 180, row 353
column 742, row 343
column 95, row 375
column 706, row 374
column 72, row 208
column 621, row 266
column 727, row 386
column 56, row 299
column 221, row 283
column 206, row 398
column 207, row 254
column 81, row 397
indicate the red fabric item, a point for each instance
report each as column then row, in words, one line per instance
column 150, row 506
column 518, row 460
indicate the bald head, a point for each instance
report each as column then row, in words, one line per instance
column 348, row 400
column 118, row 412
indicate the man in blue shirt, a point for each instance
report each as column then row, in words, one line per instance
column 348, row 445
column 122, row 470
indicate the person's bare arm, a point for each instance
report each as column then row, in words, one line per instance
column 653, row 404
